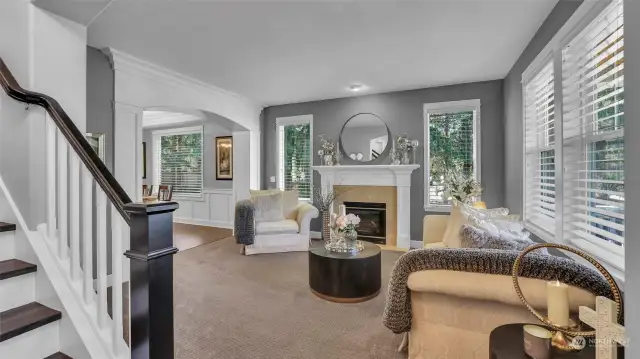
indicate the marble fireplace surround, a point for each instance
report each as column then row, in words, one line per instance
column 398, row 176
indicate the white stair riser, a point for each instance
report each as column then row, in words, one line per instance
column 17, row 291
column 7, row 246
column 36, row 344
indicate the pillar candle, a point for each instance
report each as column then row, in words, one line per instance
column 333, row 218
column 558, row 303
column 343, row 210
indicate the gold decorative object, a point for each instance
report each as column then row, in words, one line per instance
column 559, row 339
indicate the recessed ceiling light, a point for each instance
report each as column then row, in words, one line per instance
column 356, row 87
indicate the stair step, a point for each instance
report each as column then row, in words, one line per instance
column 6, row 227
column 20, row 320
column 14, row 267
column 58, row 355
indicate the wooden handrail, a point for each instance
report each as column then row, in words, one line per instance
column 78, row 142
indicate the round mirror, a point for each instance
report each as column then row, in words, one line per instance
column 364, row 137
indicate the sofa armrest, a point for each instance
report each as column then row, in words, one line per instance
column 433, row 227
column 244, row 222
column 306, row 212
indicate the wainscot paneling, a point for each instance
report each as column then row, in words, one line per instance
column 214, row 209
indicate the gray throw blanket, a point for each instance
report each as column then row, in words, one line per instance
column 244, row 230
column 397, row 312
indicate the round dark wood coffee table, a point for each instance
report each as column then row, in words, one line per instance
column 507, row 342
column 345, row 277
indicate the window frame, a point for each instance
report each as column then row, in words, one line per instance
column 581, row 19
column 451, row 106
column 156, row 138
column 287, row 121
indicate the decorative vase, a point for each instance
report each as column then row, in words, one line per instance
column 328, row 160
column 344, row 242
column 350, row 239
column 406, row 160
column 326, row 225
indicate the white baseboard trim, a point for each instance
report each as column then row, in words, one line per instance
column 316, row 235
column 416, row 244
column 204, row 222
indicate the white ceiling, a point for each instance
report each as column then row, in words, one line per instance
column 294, row 51
column 166, row 118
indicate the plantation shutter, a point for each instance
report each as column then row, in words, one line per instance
column 451, row 148
column 539, row 137
column 593, row 135
column 179, row 162
column 294, row 151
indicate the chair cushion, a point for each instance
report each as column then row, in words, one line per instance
column 279, row 227
column 268, row 208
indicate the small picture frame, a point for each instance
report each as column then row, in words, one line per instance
column 224, row 158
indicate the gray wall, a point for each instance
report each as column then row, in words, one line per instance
column 403, row 113
column 210, row 131
column 100, row 98
column 632, row 173
column 513, row 102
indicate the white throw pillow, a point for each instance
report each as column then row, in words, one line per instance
column 290, row 204
column 268, row 208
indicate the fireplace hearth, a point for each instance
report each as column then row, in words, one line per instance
column 373, row 220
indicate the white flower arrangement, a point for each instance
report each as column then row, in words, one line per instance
column 462, row 187
column 346, row 223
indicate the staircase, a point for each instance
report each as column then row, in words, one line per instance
column 68, row 257
column 23, row 321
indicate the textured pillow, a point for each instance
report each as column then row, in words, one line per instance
column 290, row 204
column 471, row 237
column 262, row 192
column 462, row 214
column 268, row 208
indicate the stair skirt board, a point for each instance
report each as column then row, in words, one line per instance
column 17, row 291
column 35, row 344
column 7, row 245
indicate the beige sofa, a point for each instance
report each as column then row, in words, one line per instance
column 453, row 312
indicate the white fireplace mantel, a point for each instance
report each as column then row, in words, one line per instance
column 398, row 176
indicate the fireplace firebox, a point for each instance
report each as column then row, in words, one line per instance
column 373, row 220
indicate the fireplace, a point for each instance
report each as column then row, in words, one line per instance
column 373, row 220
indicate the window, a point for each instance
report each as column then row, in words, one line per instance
column 295, row 145
column 580, row 128
column 178, row 160
column 593, row 136
column 539, row 163
column 451, row 144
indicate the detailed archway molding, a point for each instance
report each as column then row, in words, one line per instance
column 141, row 85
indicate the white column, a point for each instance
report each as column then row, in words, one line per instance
column 403, row 238
column 241, row 164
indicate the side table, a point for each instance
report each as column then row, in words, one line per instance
column 507, row 342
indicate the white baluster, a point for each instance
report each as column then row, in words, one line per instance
column 51, row 179
column 62, row 196
column 101, row 256
column 74, row 213
column 87, row 235
column 116, row 273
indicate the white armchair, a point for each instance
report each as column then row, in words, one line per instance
column 292, row 233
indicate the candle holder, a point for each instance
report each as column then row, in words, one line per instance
column 563, row 335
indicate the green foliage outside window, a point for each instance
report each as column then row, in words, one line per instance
column 181, row 163
column 297, row 159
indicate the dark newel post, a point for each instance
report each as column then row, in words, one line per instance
column 151, row 283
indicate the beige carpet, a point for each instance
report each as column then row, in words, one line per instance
column 230, row 306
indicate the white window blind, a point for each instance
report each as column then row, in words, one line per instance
column 294, row 154
column 178, row 160
column 539, row 139
column 452, row 146
column 593, row 136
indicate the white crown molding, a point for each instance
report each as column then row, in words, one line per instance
column 124, row 62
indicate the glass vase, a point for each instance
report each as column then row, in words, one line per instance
column 406, row 160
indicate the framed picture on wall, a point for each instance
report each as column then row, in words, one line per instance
column 144, row 160
column 224, row 158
